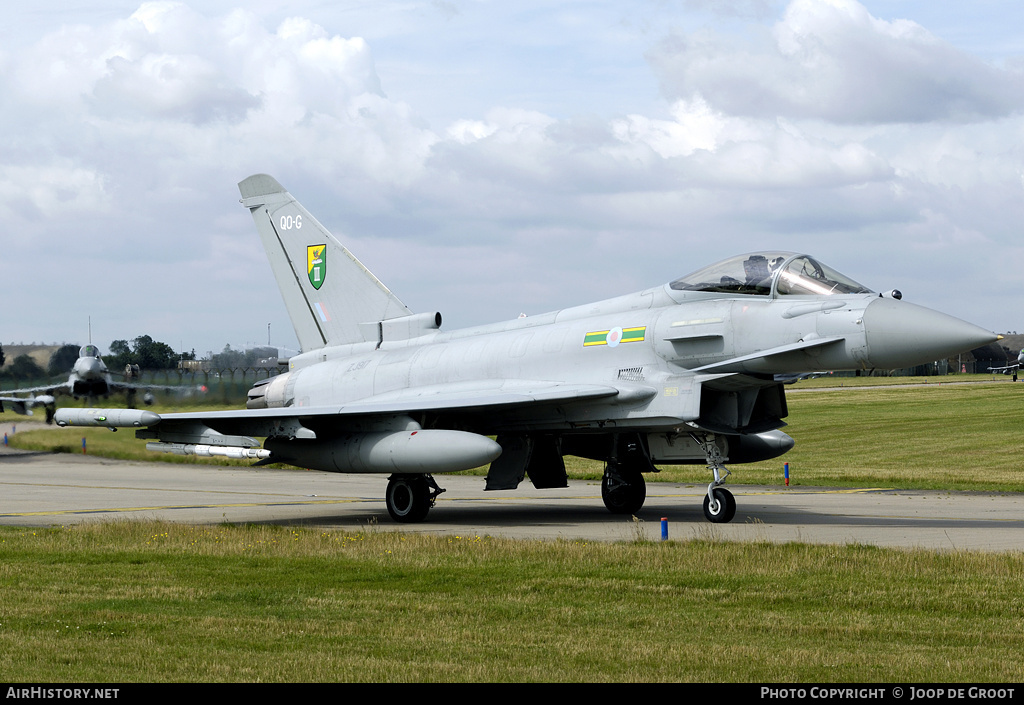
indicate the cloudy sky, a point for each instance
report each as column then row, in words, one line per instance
column 486, row 159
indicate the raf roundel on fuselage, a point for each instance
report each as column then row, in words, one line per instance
column 769, row 274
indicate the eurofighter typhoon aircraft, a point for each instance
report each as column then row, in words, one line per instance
column 89, row 378
column 680, row 373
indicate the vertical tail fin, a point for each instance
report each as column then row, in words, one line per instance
column 326, row 290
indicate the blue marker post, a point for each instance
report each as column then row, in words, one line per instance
column 786, row 466
column 664, row 528
column 5, row 439
column 83, row 445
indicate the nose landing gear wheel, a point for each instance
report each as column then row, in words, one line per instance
column 723, row 509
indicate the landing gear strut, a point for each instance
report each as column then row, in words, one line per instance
column 410, row 497
column 719, row 504
column 623, row 488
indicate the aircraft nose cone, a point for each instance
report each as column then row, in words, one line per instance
column 901, row 334
column 89, row 368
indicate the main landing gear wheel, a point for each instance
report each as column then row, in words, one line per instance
column 623, row 493
column 722, row 509
column 410, row 497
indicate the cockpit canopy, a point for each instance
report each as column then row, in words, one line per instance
column 89, row 351
column 770, row 273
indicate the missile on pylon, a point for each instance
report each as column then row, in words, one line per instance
column 208, row 451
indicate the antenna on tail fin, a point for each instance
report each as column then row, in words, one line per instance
column 327, row 291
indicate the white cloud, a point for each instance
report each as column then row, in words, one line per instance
column 742, row 151
column 223, row 90
column 57, row 191
column 831, row 60
column 695, row 127
column 467, row 131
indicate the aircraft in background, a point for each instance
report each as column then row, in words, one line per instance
column 89, row 379
column 793, row 378
column 25, row 405
column 679, row 373
column 1010, row 368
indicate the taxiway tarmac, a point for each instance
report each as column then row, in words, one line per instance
column 42, row 489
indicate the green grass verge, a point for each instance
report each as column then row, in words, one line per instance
column 964, row 437
column 151, row 602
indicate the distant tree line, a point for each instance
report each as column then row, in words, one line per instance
column 22, row 367
column 145, row 352
column 62, row 360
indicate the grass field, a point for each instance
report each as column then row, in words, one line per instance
column 141, row 602
column 948, row 436
column 155, row 602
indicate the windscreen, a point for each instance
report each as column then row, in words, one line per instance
column 805, row 275
column 765, row 273
column 746, row 274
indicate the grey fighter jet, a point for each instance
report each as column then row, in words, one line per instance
column 684, row 372
column 1010, row 368
column 89, row 379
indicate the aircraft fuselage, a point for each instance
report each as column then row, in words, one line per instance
column 659, row 346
